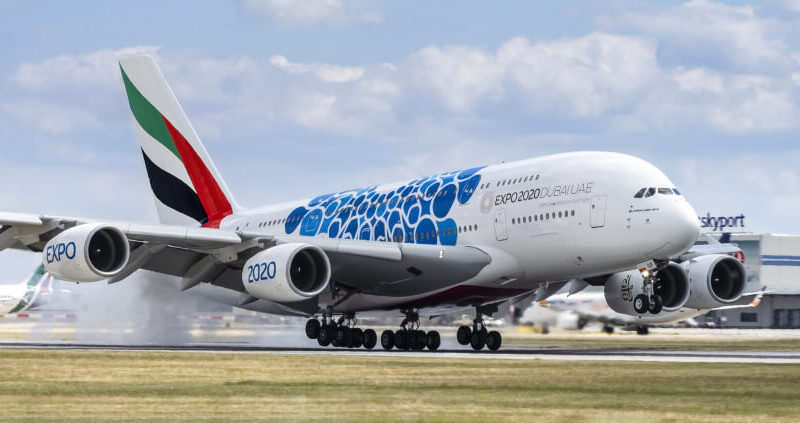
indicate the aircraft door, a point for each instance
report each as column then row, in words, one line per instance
column 500, row 225
column 597, row 217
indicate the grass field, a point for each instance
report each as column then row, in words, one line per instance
column 82, row 386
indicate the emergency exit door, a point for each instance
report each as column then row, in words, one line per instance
column 597, row 216
column 500, row 225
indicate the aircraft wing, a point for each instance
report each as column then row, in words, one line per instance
column 706, row 249
column 218, row 255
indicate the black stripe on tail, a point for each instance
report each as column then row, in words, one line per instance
column 173, row 192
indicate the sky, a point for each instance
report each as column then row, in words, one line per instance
column 297, row 98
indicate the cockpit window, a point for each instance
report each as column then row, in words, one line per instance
column 650, row 192
column 675, row 190
column 665, row 191
column 640, row 193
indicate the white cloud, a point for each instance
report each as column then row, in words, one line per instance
column 99, row 68
column 733, row 104
column 308, row 12
column 325, row 72
column 50, row 118
column 704, row 29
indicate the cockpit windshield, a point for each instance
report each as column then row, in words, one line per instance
column 651, row 191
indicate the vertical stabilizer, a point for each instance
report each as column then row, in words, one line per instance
column 187, row 187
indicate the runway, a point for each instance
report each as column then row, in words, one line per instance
column 763, row 357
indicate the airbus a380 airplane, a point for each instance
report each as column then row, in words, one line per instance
column 469, row 238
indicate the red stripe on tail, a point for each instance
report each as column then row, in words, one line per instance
column 217, row 207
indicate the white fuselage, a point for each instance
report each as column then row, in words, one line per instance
column 541, row 220
column 10, row 298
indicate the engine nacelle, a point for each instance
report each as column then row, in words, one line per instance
column 671, row 283
column 287, row 273
column 87, row 253
column 715, row 280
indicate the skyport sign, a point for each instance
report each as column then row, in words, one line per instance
column 709, row 223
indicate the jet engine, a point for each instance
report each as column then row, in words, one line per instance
column 671, row 284
column 87, row 253
column 287, row 273
column 715, row 280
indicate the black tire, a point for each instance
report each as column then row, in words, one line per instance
column 356, row 338
column 325, row 336
column 463, row 335
column 642, row 330
column 478, row 340
column 387, row 340
column 656, row 304
column 401, row 339
column 422, row 340
column 494, row 340
column 412, row 340
column 434, row 340
column 336, row 339
column 341, row 337
column 641, row 304
column 312, row 328
column 608, row 329
column 370, row 339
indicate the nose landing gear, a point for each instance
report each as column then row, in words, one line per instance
column 650, row 301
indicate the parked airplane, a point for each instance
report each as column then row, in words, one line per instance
column 26, row 295
column 591, row 306
column 470, row 238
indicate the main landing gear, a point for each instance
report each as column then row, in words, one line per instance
column 340, row 333
column 409, row 337
column 477, row 336
column 650, row 301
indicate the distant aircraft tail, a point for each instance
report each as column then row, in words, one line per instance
column 187, row 187
column 37, row 289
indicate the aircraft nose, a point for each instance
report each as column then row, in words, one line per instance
column 686, row 226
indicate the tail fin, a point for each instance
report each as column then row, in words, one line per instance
column 36, row 285
column 187, row 187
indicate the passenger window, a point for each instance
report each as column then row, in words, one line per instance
column 640, row 194
column 665, row 191
column 650, row 192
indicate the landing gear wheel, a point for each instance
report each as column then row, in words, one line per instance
column 434, row 340
column 312, row 328
column 413, row 341
column 356, row 338
column 640, row 304
column 387, row 340
column 608, row 329
column 656, row 304
column 494, row 340
column 325, row 336
column 478, row 340
column 642, row 330
column 370, row 339
column 464, row 335
column 421, row 340
column 342, row 337
column 401, row 339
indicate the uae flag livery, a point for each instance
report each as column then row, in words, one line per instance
column 187, row 187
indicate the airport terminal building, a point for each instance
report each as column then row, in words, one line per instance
column 771, row 261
